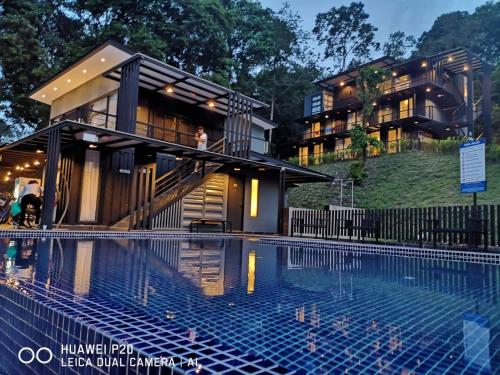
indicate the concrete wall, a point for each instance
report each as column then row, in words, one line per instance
column 267, row 213
column 91, row 90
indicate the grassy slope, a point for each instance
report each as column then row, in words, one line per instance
column 412, row 179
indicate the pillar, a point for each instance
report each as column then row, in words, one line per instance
column 49, row 185
column 128, row 97
column 486, row 104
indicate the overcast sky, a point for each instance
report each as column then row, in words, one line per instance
column 411, row 16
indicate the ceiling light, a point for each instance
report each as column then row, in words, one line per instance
column 211, row 103
column 394, row 74
column 27, row 165
column 374, row 104
column 466, row 67
column 424, row 64
column 6, row 178
column 18, row 168
column 428, row 89
column 68, row 80
column 307, row 122
column 84, row 71
column 448, row 129
column 36, row 162
column 440, row 95
column 103, row 59
column 450, row 58
column 92, row 145
column 43, row 96
column 21, row 169
column 237, row 169
column 415, row 122
column 55, row 89
column 342, row 83
column 262, row 169
column 39, row 151
column 169, row 89
column 326, row 116
column 9, row 173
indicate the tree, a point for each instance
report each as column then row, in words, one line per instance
column 346, row 34
column 368, row 84
column 399, row 45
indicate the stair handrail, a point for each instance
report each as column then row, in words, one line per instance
column 183, row 170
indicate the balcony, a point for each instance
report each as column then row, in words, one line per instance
column 339, row 126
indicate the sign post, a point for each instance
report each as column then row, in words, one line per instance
column 473, row 167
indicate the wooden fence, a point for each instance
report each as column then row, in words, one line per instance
column 402, row 225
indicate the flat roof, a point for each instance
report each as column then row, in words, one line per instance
column 107, row 60
column 111, row 139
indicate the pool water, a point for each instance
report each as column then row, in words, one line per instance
column 242, row 306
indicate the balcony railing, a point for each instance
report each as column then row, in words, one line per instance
column 340, row 126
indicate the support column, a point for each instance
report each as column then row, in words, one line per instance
column 281, row 199
column 486, row 104
column 128, row 97
column 470, row 97
column 49, row 185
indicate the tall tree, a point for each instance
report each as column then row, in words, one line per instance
column 346, row 34
column 399, row 45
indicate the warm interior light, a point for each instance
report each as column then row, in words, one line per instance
column 27, row 165
column 466, row 67
column 84, row 71
column 68, row 80
column 237, row 169
column 55, row 89
column 349, row 111
column 251, row 272
column 18, row 168
column 43, row 96
column 103, row 59
column 262, row 169
column 9, row 173
column 450, row 58
column 6, row 178
column 394, row 74
column 211, row 103
column 428, row 89
column 342, row 83
column 307, row 122
column 39, row 151
column 374, row 104
column 169, row 89
column 254, row 197
column 92, row 145
column 36, row 162
column 424, row 64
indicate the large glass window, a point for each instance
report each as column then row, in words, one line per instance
column 315, row 129
column 393, row 138
column 318, row 153
column 316, row 104
column 406, row 108
column 303, row 155
column 327, row 101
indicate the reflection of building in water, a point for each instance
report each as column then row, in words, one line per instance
column 83, row 268
column 202, row 261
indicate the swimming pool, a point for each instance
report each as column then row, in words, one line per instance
column 229, row 305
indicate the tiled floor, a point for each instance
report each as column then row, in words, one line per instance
column 248, row 307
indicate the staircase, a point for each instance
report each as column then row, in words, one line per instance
column 169, row 189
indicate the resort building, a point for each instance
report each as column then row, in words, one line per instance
column 119, row 150
column 430, row 97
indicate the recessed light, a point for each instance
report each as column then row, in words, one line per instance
column 9, row 173
column 55, row 89
column 349, row 110
column 103, row 59
column 39, row 151
column 262, row 169
column 415, row 122
column 92, row 145
column 394, row 74
column 307, row 122
column 440, row 95
column 374, row 104
column 448, row 129
column 169, row 89
column 428, row 89
column 237, row 169
column 43, row 96
column 326, row 116
column 342, row 83
column 466, row 67
column 68, row 80
column 36, row 162
column 211, row 103
column 27, row 165
column 424, row 64
column 84, row 71
column 450, row 58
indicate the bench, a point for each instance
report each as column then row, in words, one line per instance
column 225, row 225
column 318, row 224
column 368, row 225
column 473, row 230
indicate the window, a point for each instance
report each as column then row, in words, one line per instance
column 327, row 101
column 393, row 137
column 303, row 155
column 373, row 151
column 318, row 153
column 316, row 104
column 406, row 108
column 315, row 129
column 254, row 197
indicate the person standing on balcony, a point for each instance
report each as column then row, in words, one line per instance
column 201, row 139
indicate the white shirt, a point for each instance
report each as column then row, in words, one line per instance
column 34, row 189
column 202, row 142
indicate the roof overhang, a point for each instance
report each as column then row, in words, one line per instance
column 109, row 139
column 263, row 122
column 175, row 83
column 90, row 66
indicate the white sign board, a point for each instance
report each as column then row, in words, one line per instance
column 473, row 167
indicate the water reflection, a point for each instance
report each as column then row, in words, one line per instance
column 309, row 309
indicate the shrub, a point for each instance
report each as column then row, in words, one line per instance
column 493, row 152
column 357, row 172
column 294, row 160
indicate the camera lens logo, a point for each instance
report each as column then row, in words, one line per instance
column 27, row 355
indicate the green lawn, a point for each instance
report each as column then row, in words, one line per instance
column 411, row 179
